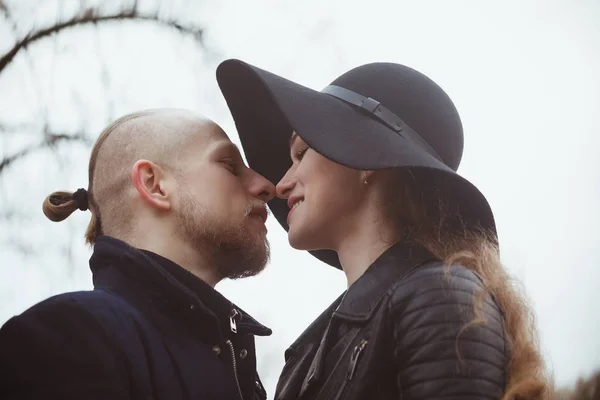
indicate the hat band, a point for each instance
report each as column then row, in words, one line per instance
column 381, row 113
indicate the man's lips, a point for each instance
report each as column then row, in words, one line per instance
column 259, row 212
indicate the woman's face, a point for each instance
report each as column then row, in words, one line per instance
column 324, row 198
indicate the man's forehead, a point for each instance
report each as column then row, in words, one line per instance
column 214, row 138
column 208, row 135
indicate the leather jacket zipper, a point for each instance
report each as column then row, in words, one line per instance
column 233, row 326
column 354, row 359
column 358, row 349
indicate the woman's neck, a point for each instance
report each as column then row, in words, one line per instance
column 362, row 246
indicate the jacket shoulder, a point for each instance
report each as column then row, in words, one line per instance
column 68, row 308
column 84, row 299
column 62, row 339
column 445, row 291
column 75, row 313
column 447, row 280
column 440, row 338
column 91, row 301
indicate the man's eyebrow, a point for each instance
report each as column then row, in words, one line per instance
column 227, row 146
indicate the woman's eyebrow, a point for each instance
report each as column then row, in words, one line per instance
column 293, row 138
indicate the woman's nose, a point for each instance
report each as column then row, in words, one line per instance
column 285, row 186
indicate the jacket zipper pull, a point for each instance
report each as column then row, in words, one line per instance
column 232, row 324
column 354, row 359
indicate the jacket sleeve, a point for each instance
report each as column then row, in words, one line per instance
column 58, row 350
column 435, row 357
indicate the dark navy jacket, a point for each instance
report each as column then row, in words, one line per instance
column 148, row 330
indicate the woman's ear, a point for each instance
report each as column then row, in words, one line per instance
column 368, row 176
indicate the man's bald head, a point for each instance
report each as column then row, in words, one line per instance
column 165, row 137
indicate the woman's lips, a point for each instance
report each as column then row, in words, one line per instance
column 296, row 205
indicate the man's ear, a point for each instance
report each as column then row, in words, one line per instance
column 149, row 180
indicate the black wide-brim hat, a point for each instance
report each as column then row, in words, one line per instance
column 376, row 116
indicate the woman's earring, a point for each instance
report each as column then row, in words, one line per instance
column 366, row 181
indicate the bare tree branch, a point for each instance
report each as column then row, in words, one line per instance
column 50, row 140
column 90, row 16
column 41, row 135
column 6, row 11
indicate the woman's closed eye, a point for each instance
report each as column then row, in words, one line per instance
column 299, row 152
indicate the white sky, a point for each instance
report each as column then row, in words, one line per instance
column 523, row 75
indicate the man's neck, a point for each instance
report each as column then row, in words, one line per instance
column 180, row 253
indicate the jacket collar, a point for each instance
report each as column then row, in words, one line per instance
column 361, row 299
column 157, row 285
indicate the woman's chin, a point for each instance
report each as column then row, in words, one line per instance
column 296, row 243
column 299, row 240
column 304, row 241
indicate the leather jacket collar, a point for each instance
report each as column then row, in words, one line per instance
column 361, row 299
column 359, row 302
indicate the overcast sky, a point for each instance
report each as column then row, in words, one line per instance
column 523, row 75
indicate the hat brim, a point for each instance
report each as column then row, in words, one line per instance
column 267, row 108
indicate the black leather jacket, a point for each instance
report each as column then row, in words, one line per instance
column 393, row 335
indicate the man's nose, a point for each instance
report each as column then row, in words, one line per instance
column 262, row 188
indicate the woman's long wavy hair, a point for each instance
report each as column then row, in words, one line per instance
column 425, row 219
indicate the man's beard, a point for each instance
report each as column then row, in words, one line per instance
column 236, row 250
